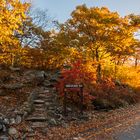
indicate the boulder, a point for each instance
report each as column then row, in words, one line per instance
column 13, row 132
column 34, row 76
column 3, row 124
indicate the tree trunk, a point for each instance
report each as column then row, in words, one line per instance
column 98, row 70
column 136, row 62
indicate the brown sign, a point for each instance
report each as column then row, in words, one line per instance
column 74, row 86
column 71, row 86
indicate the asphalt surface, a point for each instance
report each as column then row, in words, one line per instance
column 132, row 133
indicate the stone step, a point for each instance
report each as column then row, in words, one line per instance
column 38, row 125
column 39, row 101
column 36, row 119
column 44, row 95
column 38, row 113
column 49, row 85
column 40, row 96
column 40, row 109
column 49, row 100
column 44, row 91
column 53, row 80
column 38, row 105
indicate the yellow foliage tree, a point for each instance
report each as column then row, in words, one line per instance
column 98, row 33
column 12, row 15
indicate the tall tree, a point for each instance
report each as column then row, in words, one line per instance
column 12, row 15
column 98, row 33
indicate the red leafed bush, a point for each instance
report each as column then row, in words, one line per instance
column 77, row 74
column 104, row 88
column 104, row 94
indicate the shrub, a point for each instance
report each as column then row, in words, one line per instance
column 106, row 94
column 77, row 73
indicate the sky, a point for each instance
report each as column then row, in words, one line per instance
column 61, row 9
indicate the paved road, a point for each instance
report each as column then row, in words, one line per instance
column 132, row 133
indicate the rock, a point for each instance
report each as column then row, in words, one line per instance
column 47, row 104
column 118, row 83
column 37, row 119
column 51, row 108
column 39, row 101
column 46, row 83
column 1, row 127
column 3, row 124
column 13, row 86
column 14, row 69
column 47, row 75
column 52, row 121
column 39, row 125
column 78, row 138
column 65, row 125
column 4, row 137
column 25, row 114
column 40, row 109
column 83, row 117
column 1, row 116
column 28, row 109
column 2, row 93
column 13, row 132
column 18, row 119
column 41, row 96
column 40, row 75
column 69, row 109
column 26, row 104
column 35, row 76
column 39, row 105
column 12, row 121
column 21, row 113
column 23, row 137
column 29, row 129
column 49, row 99
column 58, row 72
column 32, row 97
column 6, row 121
column 54, row 80
column 44, row 91
column 51, row 112
column 4, row 128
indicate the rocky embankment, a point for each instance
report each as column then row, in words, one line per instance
column 30, row 110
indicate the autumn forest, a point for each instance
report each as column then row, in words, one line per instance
column 95, row 47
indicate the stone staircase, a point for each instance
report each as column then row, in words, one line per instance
column 41, row 115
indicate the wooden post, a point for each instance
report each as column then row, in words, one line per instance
column 69, row 86
column 82, row 99
column 65, row 102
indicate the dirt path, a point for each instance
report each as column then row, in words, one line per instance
column 103, row 126
column 131, row 133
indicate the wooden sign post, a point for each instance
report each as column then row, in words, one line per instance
column 71, row 86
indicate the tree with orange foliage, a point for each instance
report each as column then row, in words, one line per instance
column 12, row 15
column 99, row 33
